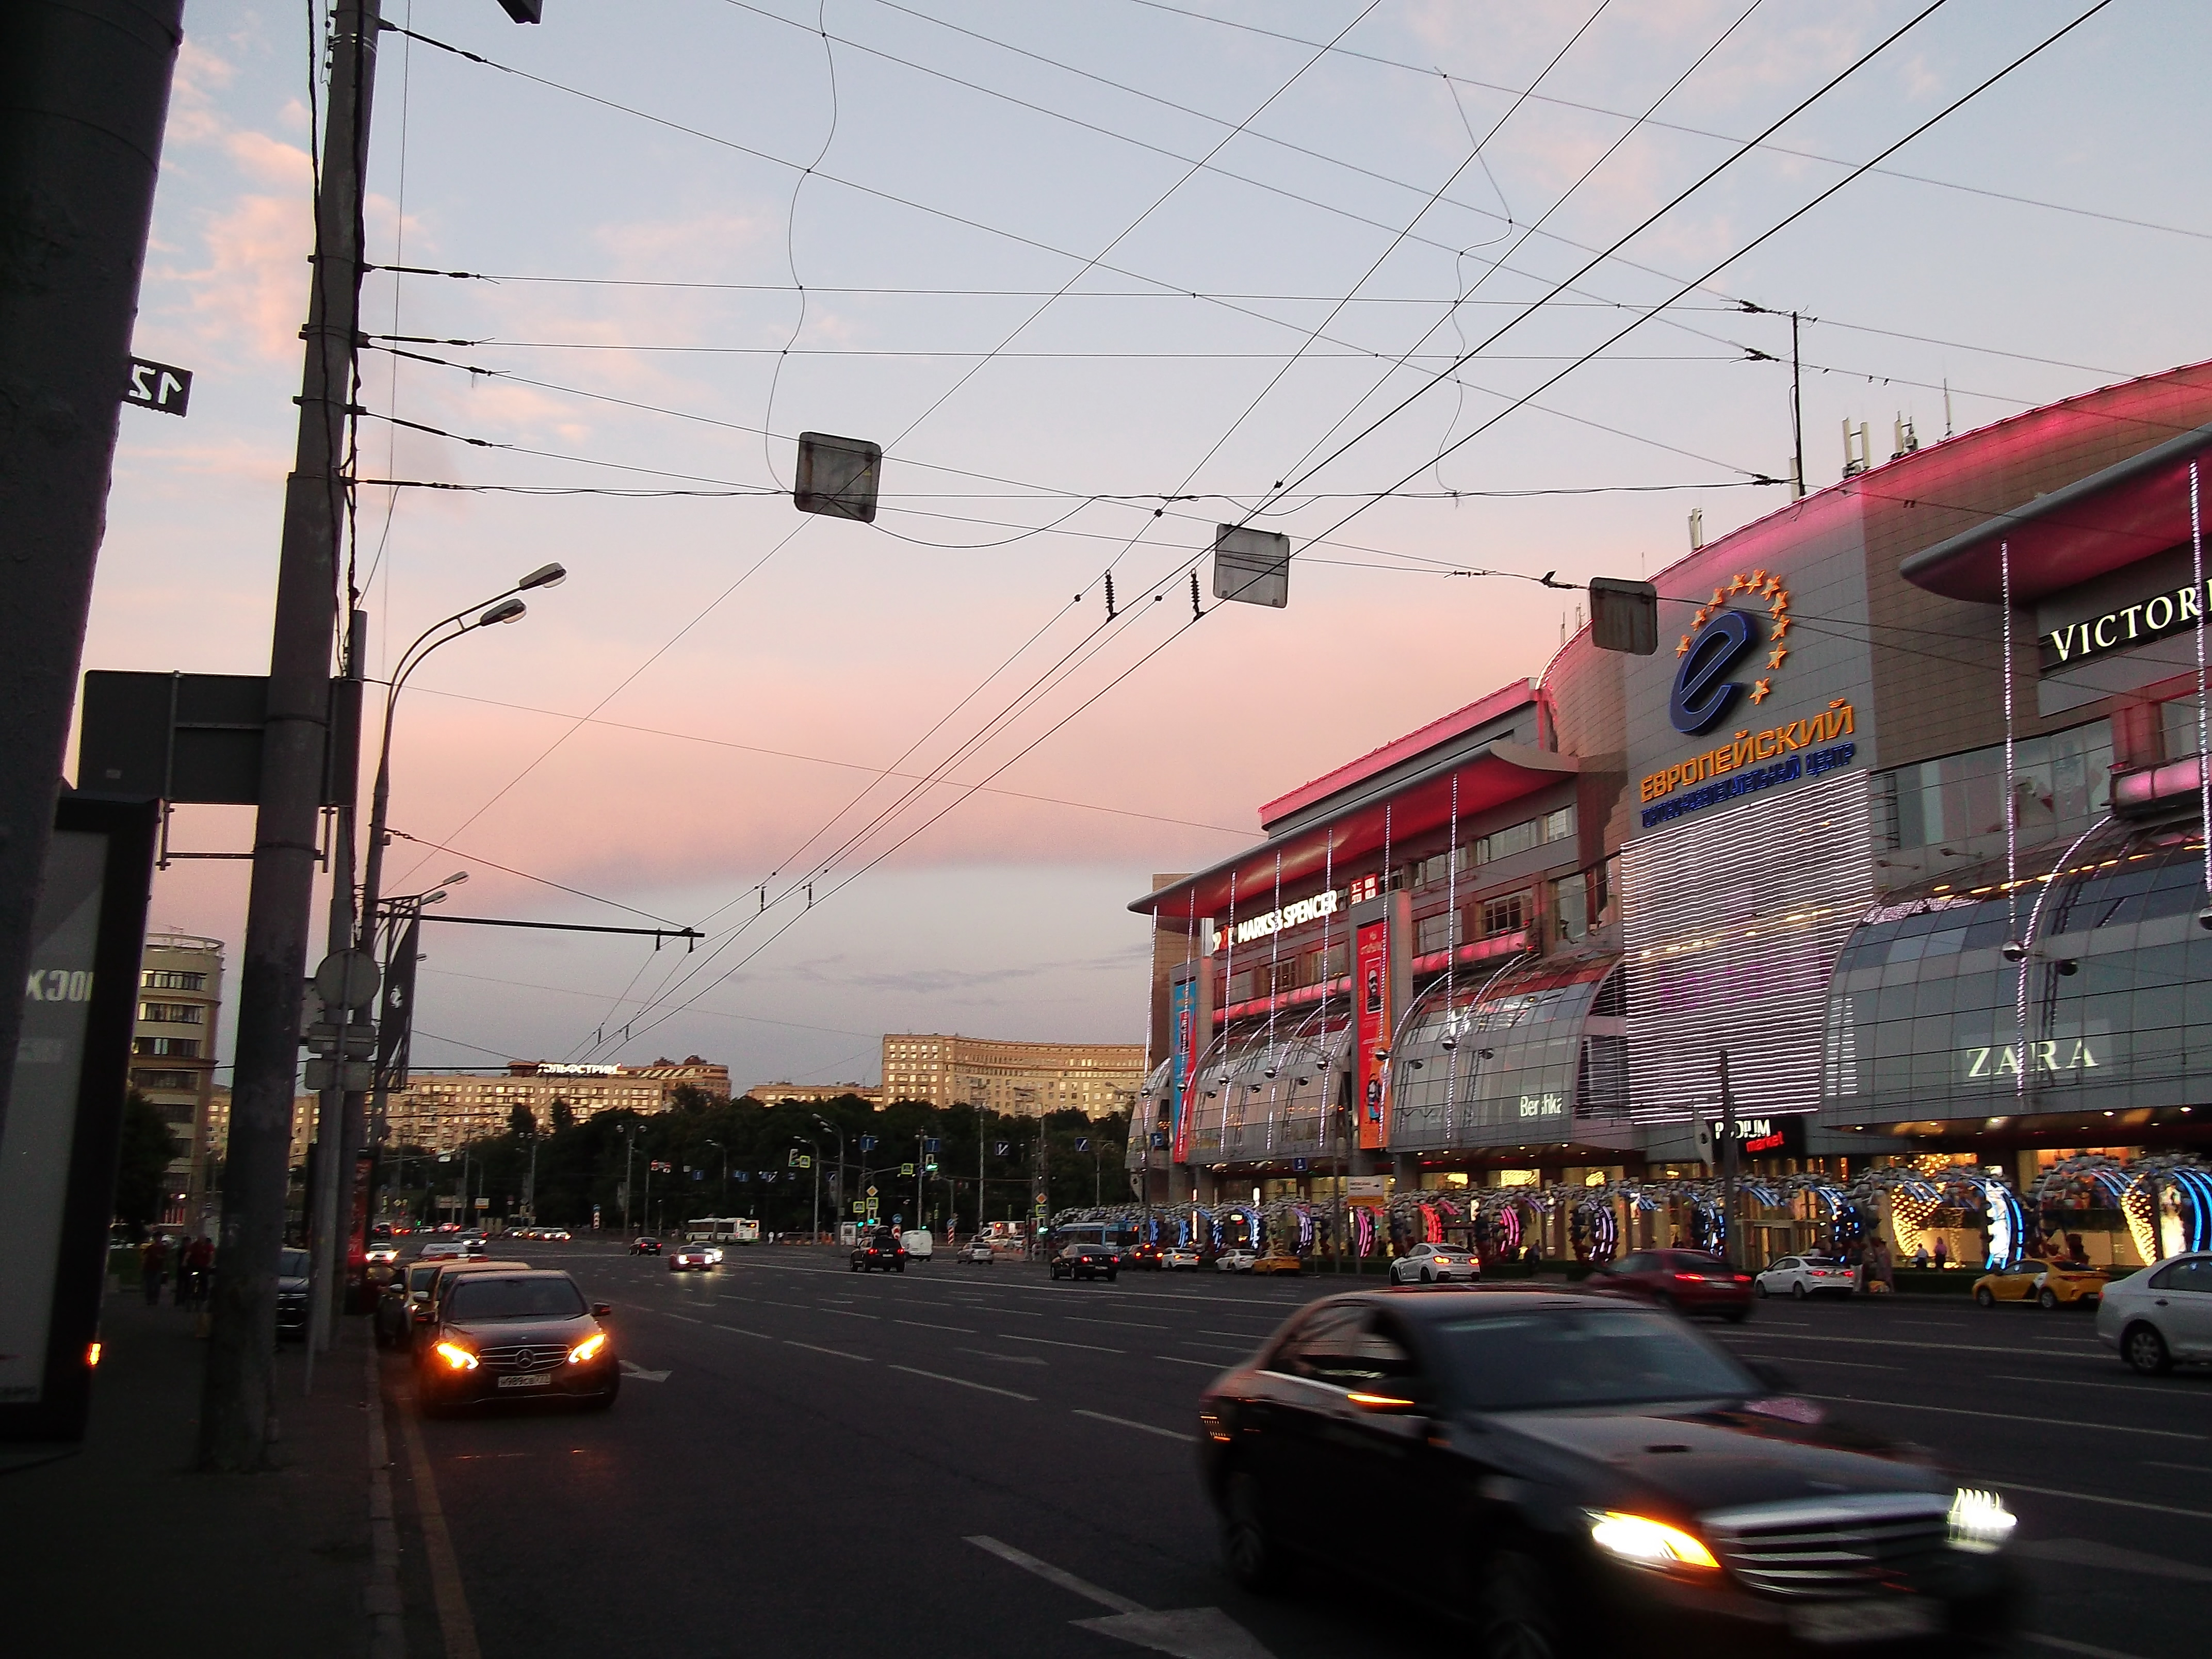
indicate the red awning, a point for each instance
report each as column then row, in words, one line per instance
column 1491, row 776
column 2111, row 518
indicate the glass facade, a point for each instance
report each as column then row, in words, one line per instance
column 1501, row 1061
column 1928, row 1021
column 2063, row 779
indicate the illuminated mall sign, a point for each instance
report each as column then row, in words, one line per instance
column 1722, row 637
column 1750, row 761
column 2168, row 612
column 2054, row 1057
column 1277, row 921
column 565, row 1069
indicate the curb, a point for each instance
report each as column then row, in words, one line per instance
column 380, row 1599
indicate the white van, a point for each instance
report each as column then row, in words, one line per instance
column 919, row 1245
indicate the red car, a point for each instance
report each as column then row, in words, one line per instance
column 1688, row 1281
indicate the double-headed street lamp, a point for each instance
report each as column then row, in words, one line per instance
column 837, row 1187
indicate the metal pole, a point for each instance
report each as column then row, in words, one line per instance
column 1796, row 411
column 238, row 1415
column 84, row 95
column 1728, row 1164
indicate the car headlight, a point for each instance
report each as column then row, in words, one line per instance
column 1979, row 1521
column 456, row 1356
column 587, row 1349
column 1644, row 1542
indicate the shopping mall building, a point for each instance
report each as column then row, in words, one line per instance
column 1799, row 844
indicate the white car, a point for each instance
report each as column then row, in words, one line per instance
column 1183, row 1258
column 920, row 1246
column 1803, row 1276
column 1235, row 1261
column 2161, row 1314
column 1436, row 1264
column 977, row 1250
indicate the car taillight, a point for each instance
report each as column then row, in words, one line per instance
column 1689, row 1278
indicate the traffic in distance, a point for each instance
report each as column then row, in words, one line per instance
column 1603, row 1467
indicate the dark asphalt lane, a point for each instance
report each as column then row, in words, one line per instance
column 806, row 1476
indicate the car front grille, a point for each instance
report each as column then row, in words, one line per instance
column 1860, row 1546
column 523, row 1356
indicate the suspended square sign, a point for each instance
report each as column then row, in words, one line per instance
column 838, row 477
column 1624, row 616
column 1252, row 567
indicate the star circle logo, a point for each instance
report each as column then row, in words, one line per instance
column 1721, row 636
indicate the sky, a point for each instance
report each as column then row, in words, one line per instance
column 1436, row 289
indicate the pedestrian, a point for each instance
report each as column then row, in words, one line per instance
column 1920, row 1255
column 203, row 1261
column 152, row 1266
column 1942, row 1253
column 1882, row 1276
column 181, row 1296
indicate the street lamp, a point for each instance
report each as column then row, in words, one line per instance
column 837, row 1187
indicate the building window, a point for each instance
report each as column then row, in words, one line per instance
column 151, row 1079
column 1571, row 905
column 1520, row 837
column 1505, row 914
column 173, row 1047
column 2064, row 781
column 1437, row 932
column 1559, row 825
column 172, row 979
column 1240, row 988
column 174, row 1013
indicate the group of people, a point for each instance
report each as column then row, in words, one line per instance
column 189, row 1263
column 1877, row 1267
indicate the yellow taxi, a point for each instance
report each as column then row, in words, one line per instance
column 1279, row 1262
column 2045, row 1283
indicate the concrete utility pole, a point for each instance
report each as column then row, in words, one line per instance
column 238, row 1413
column 84, row 92
column 1730, row 1157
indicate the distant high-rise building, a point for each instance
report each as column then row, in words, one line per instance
column 172, row 1059
column 1030, row 1079
column 812, row 1094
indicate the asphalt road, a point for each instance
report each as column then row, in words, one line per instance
column 804, row 1459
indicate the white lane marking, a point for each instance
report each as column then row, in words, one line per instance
column 963, row 1382
column 1891, row 1342
column 924, row 1325
column 2186, row 1468
column 641, row 1374
column 720, row 1326
column 1188, row 1633
column 2060, row 1644
column 1005, row 1358
column 1227, row 1347
column 2008, row 1417
column 1046, row 1341
column 1132, row 1423
column 2088, row 1553
column 842, row 1313
column 1175, row 1359
column 1834, row 1365
column 839, row 1353
column 1051, row 1574
column 686, row 1318
column 2114, row 1502
column 1134, row 1324
column 2139, row 1389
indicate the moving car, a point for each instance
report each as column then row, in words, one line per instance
column 2161, row 1314
column 645, row 1247
column 688, row 1258
column 516, row 1335
column 1802, row 1276
column 422, row 1312
column 1182, row 1258
column 1435, row 1264
column 1609, row 1480
column 879, row 1249
column 1087, row 1261
column 443, row 1249
column 920, row 1246
column 292, row 1270
column 978, row 1249
column 1688, row 1281
column 2046, row 1284
column 1277, row 1261
column 1146, row 1256
column 557, row 1234
column 1238, row 1261
column 403, row 1293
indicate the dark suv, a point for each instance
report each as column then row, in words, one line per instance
column 879, row 1249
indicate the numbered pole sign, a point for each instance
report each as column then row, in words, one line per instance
column 162, row 387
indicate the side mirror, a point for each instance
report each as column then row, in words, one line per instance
column 601, row 1309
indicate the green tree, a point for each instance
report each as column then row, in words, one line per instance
column 519, row 1122
column 142, row 1177
column 564, row 1115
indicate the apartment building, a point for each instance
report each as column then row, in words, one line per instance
column 1031, row 1079
column 172, row 1058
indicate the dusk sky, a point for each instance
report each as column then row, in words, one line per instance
column 1097, row 277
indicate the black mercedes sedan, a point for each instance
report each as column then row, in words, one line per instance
column 517, row 1334
column 1563, row 1470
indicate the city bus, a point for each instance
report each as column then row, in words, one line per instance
column 721, row 1229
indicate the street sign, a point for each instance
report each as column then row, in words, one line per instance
column 906, row 1169
column 872, row 1192
column 867, row 1143
column 347, row 979
column 1083, row 1143
column 929, row 1144
column 162, row 388
column 859, row 1208
column 1000, row 1148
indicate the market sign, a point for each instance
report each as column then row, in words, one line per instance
column 1276, row 921
column 1748, row 763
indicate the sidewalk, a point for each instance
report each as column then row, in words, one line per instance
column 117, row 1548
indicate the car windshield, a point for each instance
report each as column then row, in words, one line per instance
column 1553, row 1359
column 291, row 1264
column 419, row 1278
column 481, row 1296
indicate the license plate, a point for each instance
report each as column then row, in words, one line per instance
column 535, row 1380
column 1871, row 1621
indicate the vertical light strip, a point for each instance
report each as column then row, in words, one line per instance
column 2203, row 772
column 1451, row 960
column 2012, row 826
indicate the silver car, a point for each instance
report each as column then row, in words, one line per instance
column 2161, row 1314
column 1435, row 1264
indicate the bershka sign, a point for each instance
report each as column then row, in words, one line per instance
column 1276, row 921
column 2170, row 611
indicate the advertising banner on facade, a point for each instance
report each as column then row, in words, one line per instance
column 1182, row 1047
column 1371, row 986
